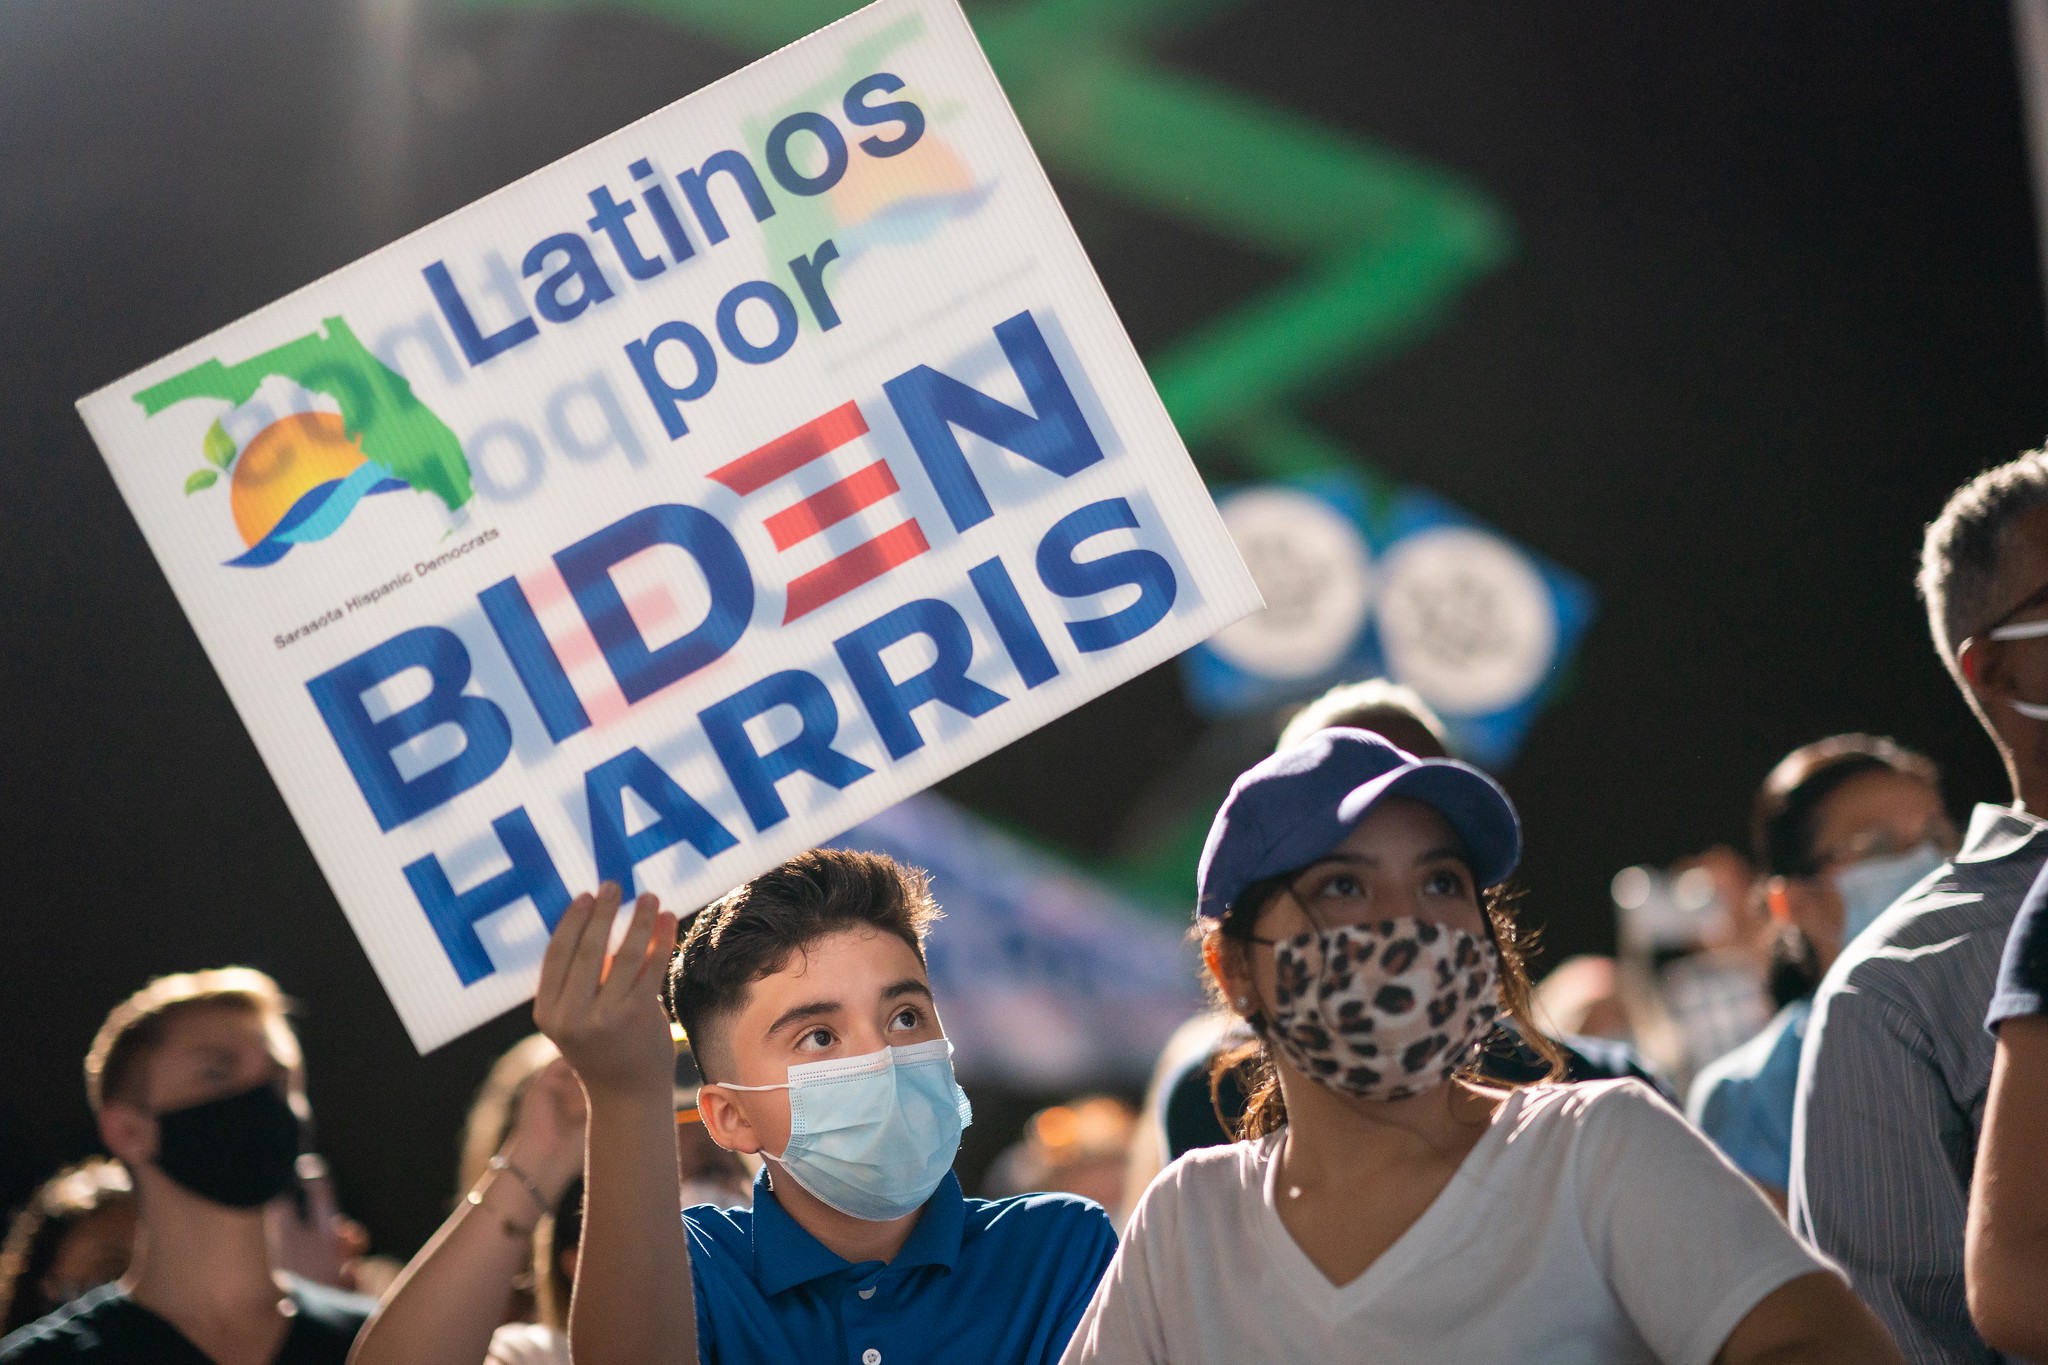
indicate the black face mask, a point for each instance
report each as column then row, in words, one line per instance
column 238, row 1151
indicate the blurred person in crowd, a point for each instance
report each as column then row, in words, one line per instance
column 2007, row 1244
column 470, row 1289
column 496, row 1277
column 1385, row 708
column 805, row 995
column 74, row 1235
column 488, row 1126
column 495, row 1110
column 312, row 1238
column 1842, row 828
column 1582, row 995
column 1080, row 1147
column 555, row 1242
column 1387, row 1201
column 1718, row 994
column 1691, row 961
column 1178, row 1112
column 199, row 1090
column 1896, row 1065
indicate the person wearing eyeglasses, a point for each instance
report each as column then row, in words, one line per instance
column 1842, row 827
column 1896, row 1066
column 1386, row 1202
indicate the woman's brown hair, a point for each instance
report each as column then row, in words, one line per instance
column 1250, row 1063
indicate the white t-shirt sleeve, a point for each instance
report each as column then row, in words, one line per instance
column 526, row 1343
column 1124, row 1322
column 1688, row 1244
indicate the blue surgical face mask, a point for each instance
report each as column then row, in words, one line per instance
column 873, row 1136
column 1868, row 888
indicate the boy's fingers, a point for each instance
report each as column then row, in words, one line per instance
column 554, row 963
column 661, row 946
column 586, row 966
column 627, row 962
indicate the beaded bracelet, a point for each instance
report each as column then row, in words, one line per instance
column 512, row 1229
column 540, row 1201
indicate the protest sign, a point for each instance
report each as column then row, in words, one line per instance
column 675, row 508
column 1051, row 981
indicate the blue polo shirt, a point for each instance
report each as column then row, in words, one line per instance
column 998, row 1282
column 1743, row 1101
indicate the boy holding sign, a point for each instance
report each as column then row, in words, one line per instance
column 805, row 996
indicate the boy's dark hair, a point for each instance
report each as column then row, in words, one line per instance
column 754, row 929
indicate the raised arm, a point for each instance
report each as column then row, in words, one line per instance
column 632, row 1304
column 453, row 1295
column 2007, row 1261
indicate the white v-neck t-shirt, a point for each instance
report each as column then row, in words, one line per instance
column 1590, row 1223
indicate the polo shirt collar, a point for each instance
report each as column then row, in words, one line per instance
column 936, row 1238
column 785, row 1255
column 1998, row 832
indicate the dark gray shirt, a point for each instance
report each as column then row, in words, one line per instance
column 106, row 1327
column 1892, row 1083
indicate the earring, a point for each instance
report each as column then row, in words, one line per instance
column 1244, row 1002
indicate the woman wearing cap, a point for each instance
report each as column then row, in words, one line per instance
column 1383, row 1204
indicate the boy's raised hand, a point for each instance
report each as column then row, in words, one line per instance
column 606, row 1016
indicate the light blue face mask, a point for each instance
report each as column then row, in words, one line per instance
column 1868, row 888
column 873, row 1136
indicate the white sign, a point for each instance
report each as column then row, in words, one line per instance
column 675, row 508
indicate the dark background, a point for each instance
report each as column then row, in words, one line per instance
column 1774, row 294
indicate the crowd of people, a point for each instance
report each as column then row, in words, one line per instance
column 733, row 1137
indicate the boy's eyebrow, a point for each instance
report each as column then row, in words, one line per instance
column 816, row 1009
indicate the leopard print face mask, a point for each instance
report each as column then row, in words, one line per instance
column 1383, row 1011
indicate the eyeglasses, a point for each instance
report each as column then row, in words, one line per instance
column 2005, row 628
column 2018, row 630
column 1883, row 843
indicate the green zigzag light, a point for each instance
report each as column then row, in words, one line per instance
column 1384, row 243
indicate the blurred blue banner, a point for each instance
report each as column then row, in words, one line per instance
column 1047, row 980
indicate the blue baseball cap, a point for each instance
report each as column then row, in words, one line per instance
column 1296, row 805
